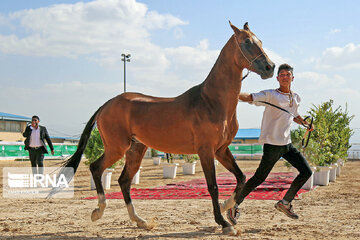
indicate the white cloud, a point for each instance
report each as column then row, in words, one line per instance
column 319, row 80
column 178, row 33
column 101, row 27
column 186, row 60
column 276, row 58
column 347, row 57
column 3, row 20
column 156, row 20
column 335, row 30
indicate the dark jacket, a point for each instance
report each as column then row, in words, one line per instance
column 43, row 135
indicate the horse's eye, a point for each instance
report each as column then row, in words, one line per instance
column 248, row 41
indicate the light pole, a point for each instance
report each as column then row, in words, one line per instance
column 125, row 58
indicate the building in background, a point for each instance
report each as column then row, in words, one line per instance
column 65, row 140
column 247, row 136
column 12, row 126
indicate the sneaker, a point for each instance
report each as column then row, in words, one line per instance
column 287, row 209
column 233, row 214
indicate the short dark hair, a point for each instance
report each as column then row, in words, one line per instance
column 287, row 67
column 36, row 117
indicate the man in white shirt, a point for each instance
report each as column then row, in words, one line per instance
column 35, row 144
column 275, row 135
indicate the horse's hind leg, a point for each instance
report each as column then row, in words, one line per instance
column 227, row 160
column 134, row 157
column 97, row 168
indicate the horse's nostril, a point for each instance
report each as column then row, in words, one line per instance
column 268, row 68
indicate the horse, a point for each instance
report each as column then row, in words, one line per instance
column 200, row 121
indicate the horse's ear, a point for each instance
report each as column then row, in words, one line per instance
column 246, row 27
column 236, row 30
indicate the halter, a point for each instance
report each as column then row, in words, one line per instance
column 250, row 62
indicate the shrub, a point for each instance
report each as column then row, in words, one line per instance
column 154, row 153
column 169, row 157
column 95, row 148
column 190, row 158
column 330, row 140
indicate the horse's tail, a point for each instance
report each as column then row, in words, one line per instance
column 75, row 159
column 70, row 166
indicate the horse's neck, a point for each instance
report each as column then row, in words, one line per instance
column 224, row 80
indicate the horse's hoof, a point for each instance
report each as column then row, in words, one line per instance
column 230, row 231
column 96, row 214
column 145, row 225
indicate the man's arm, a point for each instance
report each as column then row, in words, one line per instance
column 47, row 137
column 301, row 121
column 27, row 131
column 245, row 97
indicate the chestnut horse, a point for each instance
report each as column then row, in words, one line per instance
column 202, row 120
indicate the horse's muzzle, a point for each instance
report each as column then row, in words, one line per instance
column 268, row 71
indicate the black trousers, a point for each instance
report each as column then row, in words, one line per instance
column 36, row 156
column 272, row 154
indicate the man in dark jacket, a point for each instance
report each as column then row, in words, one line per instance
column 35, row 144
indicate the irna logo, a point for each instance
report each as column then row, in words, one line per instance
column 26, row 183
column 36, row 180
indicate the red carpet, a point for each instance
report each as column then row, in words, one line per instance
column 274, row 188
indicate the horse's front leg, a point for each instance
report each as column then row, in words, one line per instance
column 226, row 158
column 207, row 163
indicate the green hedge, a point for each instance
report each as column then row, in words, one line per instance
column 17, row 150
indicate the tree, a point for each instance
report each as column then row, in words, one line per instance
column 330, row 140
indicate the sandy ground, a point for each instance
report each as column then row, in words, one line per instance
column 331, row 212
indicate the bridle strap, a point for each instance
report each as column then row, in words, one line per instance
column 250, row 62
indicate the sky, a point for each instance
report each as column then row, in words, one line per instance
column 61, row 59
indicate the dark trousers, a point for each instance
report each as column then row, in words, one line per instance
column 37, row 158
column 272, row 154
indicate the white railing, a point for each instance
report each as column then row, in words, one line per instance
column 354, row 155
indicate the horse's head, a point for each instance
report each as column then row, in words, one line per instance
column 251, row 55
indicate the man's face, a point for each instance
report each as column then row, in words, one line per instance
column 35, row 122
column 285, row 78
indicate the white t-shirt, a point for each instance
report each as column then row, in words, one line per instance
column 275, row 126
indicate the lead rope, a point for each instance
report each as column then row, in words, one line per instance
column 308, row 133
column 304, row 142
column 245, row 75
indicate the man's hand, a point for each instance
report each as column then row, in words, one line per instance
column 245, row 97
column 301, row 121
column 311, row 127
